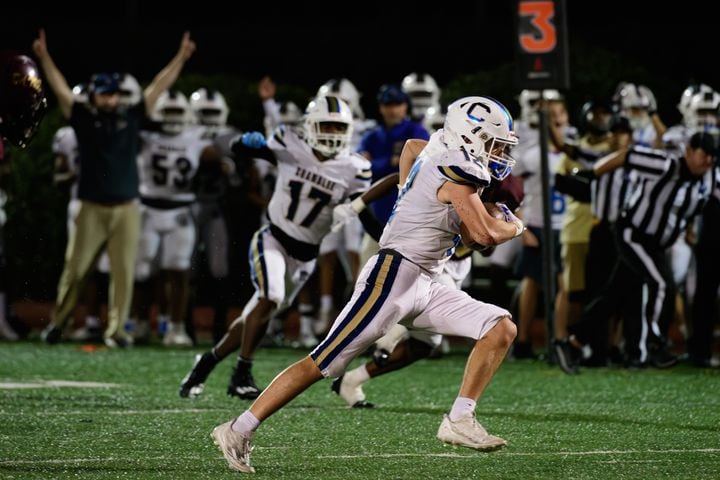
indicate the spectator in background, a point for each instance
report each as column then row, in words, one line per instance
column 382, row 146
column 108, row 141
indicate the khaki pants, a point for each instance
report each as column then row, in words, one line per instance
column 97, row 225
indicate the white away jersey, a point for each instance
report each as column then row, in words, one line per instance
column 167, row 164
column 65, row 143
column 527, row 167
column 422, row 228
column 307, row 190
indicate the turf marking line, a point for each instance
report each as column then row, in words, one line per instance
column 524, row 454
column 55, row 384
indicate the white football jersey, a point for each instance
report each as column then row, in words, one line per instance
column 65, row 143
column 527, row 167
column 167, row 164
column 422, row 228
column 307, row 190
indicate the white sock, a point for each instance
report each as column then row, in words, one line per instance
column 326, row 303
column 246, row 423
column 394, row 336
column 463, row 407
column 357, row 376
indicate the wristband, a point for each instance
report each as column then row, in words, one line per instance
column 519, row 227
column 358, row 205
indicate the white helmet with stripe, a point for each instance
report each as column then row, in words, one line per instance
column 173, row 111
column 529, row 101
column 423, row 91
column 328, row 125
column 130, row 91
column 345, row 90
column 484, row 129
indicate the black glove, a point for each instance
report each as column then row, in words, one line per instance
column 576, row 186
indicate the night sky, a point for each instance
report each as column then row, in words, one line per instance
column 310, row 42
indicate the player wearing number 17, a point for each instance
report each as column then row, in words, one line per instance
column 315, row 173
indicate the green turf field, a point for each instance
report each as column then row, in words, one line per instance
column 603, row 424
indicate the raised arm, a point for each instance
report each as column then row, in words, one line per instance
column 610, row 162
column 54, row 76
column 170, row 73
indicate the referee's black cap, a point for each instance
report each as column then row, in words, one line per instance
column 705, row 141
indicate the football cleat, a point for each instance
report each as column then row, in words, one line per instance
column 194, row 382
column 234, row 446
column 242, row 384
column 381, row 357
column 352, row 393
column 467, row 432
column 566, row 356
column 51, row 334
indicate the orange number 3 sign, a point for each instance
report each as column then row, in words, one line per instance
column 542, row 14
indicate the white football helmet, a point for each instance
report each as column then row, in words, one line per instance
column 434, row 119
column 345, row 89
column 687, row 94
column 173, row 111
column 483, row 128
column 209, row 107
column 328, row 110
column 290, row 114
column 130, row 92
column 423, row 91
column 529, row 100
column 634, row 102
column 702, row 112
column 80, row 93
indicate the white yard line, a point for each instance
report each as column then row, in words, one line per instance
column 380, row 455
column 60, row 461
column 525, row 454
column 55, row 384
column 165, row 411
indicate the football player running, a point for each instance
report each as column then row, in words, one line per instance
column 439, row 197
column 315, row 173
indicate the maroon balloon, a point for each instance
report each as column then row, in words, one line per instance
column 22, row 100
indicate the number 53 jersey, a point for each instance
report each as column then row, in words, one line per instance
column 307, row 190
column 168, row 163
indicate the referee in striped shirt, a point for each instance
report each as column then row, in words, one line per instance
column 704, row 306
column 669, row 192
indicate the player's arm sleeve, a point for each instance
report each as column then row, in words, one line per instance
column 371, row 224
column 243, row 153
column 360, row 183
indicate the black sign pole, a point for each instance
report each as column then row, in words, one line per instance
column 542, row 63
